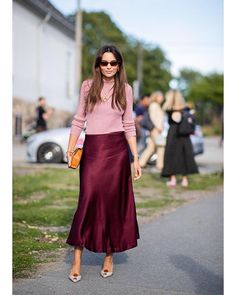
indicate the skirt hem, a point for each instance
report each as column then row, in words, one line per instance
column 111, row 250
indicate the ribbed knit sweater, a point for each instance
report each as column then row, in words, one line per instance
column 104, row 119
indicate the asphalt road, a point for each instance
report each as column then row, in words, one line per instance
column 180, row 253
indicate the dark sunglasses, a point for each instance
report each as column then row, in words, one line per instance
column 105, row 63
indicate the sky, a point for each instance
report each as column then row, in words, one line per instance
column 190, row 32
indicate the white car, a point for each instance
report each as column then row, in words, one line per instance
column 50, row 146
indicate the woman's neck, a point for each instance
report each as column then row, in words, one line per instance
column 108, row 80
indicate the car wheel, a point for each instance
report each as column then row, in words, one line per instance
column 49, row 153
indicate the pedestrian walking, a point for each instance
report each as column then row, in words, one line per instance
column 178, row 157
column 156, row 143
column 42, row 115
column 105, row 219
column 140, row 109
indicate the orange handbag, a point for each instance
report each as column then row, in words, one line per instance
column 75, row 158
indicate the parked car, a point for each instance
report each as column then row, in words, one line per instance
column 50, row 146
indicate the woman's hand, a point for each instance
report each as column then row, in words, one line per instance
column 69, row 157
column 137, row 169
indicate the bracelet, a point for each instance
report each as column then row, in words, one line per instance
column 136, row 156
column 69, row 152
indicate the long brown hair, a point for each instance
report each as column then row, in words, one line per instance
column 118, row 95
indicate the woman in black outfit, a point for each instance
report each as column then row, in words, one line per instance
column 179, row 157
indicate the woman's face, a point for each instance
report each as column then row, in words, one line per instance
column 109, row 65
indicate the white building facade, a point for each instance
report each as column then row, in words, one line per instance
column 43, row 55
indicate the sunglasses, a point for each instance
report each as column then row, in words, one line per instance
column 105, row 63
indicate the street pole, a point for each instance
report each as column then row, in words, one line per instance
column 140, row 68
column 78, row 41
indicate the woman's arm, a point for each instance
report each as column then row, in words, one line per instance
column 77, row 123
column 130, row 132
column 133, row 147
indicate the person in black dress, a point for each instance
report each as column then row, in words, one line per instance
column 179, row 157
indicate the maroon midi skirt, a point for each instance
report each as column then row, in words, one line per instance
column 105, row 219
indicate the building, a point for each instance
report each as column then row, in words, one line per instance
column 43, row 62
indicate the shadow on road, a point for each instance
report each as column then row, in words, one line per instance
column 205, row 281
column 92, row 259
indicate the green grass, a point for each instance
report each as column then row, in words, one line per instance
column 205, row 182
column 159, row 203
column 196, row 182
column 49, row 197
column 42, row 198
column 29, row 248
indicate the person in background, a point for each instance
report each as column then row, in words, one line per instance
column 155, row 145
column 179, row 157
column 140, row 109
column 42, row 115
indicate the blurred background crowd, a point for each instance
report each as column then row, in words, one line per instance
column 53, row 52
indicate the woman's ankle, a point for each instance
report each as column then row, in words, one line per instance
column 108, row 257
column 184, row 181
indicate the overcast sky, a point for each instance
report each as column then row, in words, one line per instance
column 189, row 31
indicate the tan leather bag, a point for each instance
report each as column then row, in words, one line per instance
column 76, row 158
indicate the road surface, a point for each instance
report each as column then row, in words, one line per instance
column 180, row 253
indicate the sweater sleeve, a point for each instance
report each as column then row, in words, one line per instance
column 127, row 118
column 77, row 124
column 156, row 115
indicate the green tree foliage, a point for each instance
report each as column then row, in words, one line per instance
column 156, row 70
column 205, row 91
column 209, row 88
column 99, row 30
column 186, row 78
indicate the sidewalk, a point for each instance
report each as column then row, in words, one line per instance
column 179, row 253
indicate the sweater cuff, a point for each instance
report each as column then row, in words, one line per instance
column 129, row 134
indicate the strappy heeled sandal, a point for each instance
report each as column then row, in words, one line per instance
column 105, row 273
column 75, row 277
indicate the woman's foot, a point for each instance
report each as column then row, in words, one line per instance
column 184, row 182
column 107, row 268
column 172, row 181
column 75, row 275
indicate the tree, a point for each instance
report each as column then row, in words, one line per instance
column 186, row 78
column 156, row 68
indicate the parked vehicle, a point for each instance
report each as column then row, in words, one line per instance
column 50, row 146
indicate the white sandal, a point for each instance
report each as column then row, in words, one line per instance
column 75, row 278
column 105, row 273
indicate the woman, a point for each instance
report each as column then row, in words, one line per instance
column 105, row 219
column 157, row 117
column 178, row 158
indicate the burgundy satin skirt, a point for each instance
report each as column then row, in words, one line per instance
column 105, row 219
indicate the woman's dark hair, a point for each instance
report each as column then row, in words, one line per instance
column 118, row 96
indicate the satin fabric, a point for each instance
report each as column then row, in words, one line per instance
column 105, row 219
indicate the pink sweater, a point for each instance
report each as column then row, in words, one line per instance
column 104, row 119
